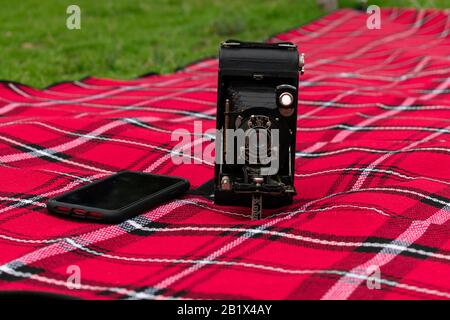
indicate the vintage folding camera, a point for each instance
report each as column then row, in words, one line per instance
column 256, row 124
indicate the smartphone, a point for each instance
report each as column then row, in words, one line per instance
column 118, row 197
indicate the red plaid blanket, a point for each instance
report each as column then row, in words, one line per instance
column 371, row 219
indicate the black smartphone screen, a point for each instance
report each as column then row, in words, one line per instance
column 124, row 194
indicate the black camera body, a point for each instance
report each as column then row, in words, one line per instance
column 256, row 124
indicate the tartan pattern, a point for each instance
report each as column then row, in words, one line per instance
column 372, row 174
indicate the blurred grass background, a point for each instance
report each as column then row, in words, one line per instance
column 126, row 38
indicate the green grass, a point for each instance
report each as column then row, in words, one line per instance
column 126, row 38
